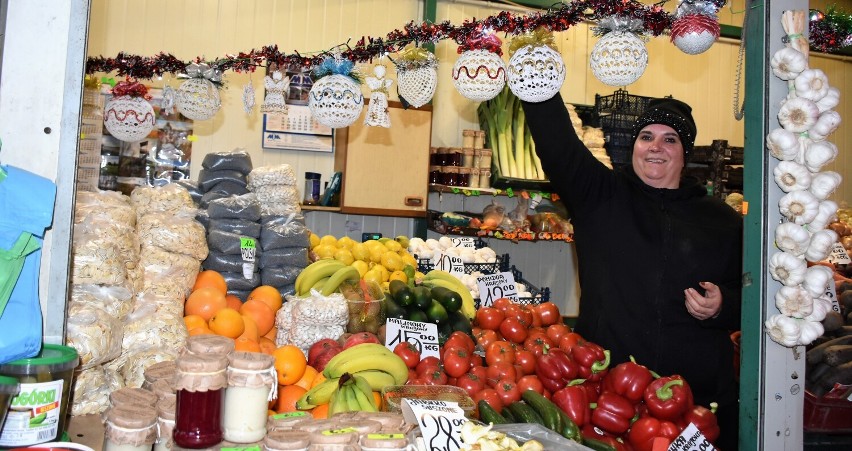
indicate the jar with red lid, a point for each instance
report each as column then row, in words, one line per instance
column 200, row 384
column 435, row 175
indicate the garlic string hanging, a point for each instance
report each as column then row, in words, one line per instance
column 788, row 63
column 831, row 100
column 798, row 115
column 825, row 125
column 811, row 84
column 821, row 244
column 792, row 238
column 794, row 302
column 826, row 214
column 821, row 307
column 818, row 154
column 816, row 280
column 800, row 207
column 787, row 269
column 810, row 331
column 782, row 144
column 783, row 330
column 823, row 184
column 792, row 176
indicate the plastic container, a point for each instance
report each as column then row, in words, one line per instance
column 831, row 415
column 251, row 385
column 366, row 314
column 312, row 188
column 394, row 394
column 39, row 413
column 9, row 388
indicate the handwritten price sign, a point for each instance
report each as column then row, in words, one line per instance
column 691, row 439
column 248, row 249
column 838, row 255
column 464, row 241
column 831, row 295
column 424, row 336
column 496, row 286
column 449, row 263
column 440, row 422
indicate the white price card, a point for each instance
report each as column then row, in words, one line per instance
column 424, row 336
column 449, row 263
column 496, row 286
column 691, row 439
column 838, row 255
column 440, row 422
column 464, row 242
column 248, row 249
column 831, row 295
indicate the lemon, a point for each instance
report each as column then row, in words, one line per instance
column 393, row 246
column 382, row 271
column 403, row 241
column 344, row 256
column 409, row 260
column 376, row 254
column 325, row 251
column 361, row 266
column 373, row 276
column 392, row 261
column 346, row 242
column 361, row 252
column 374, row 244
column 398, row 275
column 315, row 240
column 419, row 275
column 329, row 239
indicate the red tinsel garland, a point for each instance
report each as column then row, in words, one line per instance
column 130, row 88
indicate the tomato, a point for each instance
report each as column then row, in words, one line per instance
column 479, row 371
column 530, row 382
column 411, row 374
column 549, row 313
column 428, row 361
column 513, row 329
column 489, row 318
column 525, row 360
column 556, row 331
column 434, row 375
column 536, row 318
column 417, row 381
column 500, row 371
column 471, row 383
column 490, row 396
column 486, row 337
column 537, row 344
column 408, row 353
column 476, row 360
column 459, row 338
column 568, row 341
column 456, row 361
column 508, row 391
column 522, row 313
column 499, row 351
column 502, row 303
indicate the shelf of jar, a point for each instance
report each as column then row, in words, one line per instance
column 468, row 191
column 436, row 225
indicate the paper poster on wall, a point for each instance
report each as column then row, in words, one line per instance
column 296, row 130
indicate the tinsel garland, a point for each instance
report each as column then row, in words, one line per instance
column 830, row 31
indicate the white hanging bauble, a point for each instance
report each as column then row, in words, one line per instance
column 695, row 33
column 479, row 75
column 335, row 101
column 535, row 73
column 129, row 118
column 619, row 58
column 198, row 99
column 417, row 85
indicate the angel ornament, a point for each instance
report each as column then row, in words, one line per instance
column 276, row 92
column 377, row 112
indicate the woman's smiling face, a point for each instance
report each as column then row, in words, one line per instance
column 658, row 156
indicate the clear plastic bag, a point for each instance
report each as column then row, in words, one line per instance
column 208, row 178
column 224, row 262
column 170, row 305
column 180, row 233
column 192, row 188
column 107, row 231
column 92, row 387
column 524, row 432
column 229, row 188
column 168, row 274
column 279, row 276
column 210, row 196
column 302, row 321
column 239, row 226
column 94, row 333
column 281, row 174
column 236, row 207
column 224, row 242
column 113, row 204
column 275, row 209
column 94, row 263
column 278, row 194
column 167, row 198
column 285, row 231
column 238, row 160
column 203, row 218
column 150, row 327
column 136, row 362
column 115, row 300
column 236, row 281
column 285, row 256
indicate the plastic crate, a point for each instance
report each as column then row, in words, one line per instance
column 539, row 295
column 587, row 114
column 827, row 414
column 621, row 101
column 622, row 122
column 701, row 154
column 501, row 264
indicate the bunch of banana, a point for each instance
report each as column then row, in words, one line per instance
column 325, row 276
column 353, row 394
column 439, row 278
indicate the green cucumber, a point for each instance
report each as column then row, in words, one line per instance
column 568, row 428
column 597, row 445
column 507, row 414
column 524, row 413
column 437, row 313
column 488, row 415
column 548, row 410
column 422, row 298
column 451, row 300
column 400, row 292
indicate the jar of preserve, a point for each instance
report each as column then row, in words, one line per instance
column 485, row 178
column 485, row 160
column 467, row 158
column 433, row 156
column 252, row 383
column 474, row 178
column 209, row 344
column 468, row 137
column 435, row 174
column 479, row 139
column 130, row 428
column 287, row 441
column 454, row 157
column 463, row 178
column 132, row 396
column 477, row 157
column 450, row 175
column 165, row 424
column 164, row 389
column 157, row 371
column 200, row 385
column 443, row 156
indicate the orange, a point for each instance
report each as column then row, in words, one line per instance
column 272, row 334
column 287, row 397
column 270, row 412
column 211, row 279
column 250, row 329
column 203, row 330
column 228, row 323
column 290, row 364
column 317, row 379
column 205, row 302
column 193, row 321
column 233, row 301
column 267, row 346
column 260, row 313
column 268, row 295
column 244, row 344
column 320, row 412
column 378, row 398
column 307, row 378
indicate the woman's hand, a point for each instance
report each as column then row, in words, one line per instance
column 707, row 306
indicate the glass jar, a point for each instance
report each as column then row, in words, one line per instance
column 468, row 137
column 130, row 428
column 312, row 188
column 485, row 178
column 287, row 441
column 450, row 175
column 160, row 370
column 164, row 389
column 479, row 140
column 132, row 396
column 286, row 421
column 463, row 178
column 435, row 174
column 485, row 160
column 474, row 178
column 165, row 424
column 209, row 344
column 252, row 383
column 433, row 156
column 200, row 385
column 454, row 157
column 467, row 158
column 477, row 158
column 443, row 156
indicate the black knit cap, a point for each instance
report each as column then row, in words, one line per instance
column 671, row 112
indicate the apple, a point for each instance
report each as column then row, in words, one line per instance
column 360, row 337
column 321, row 347
column 323, row 358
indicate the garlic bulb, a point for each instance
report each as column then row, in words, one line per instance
column 821, row 307
column 811, row 84
column 792, row 176
column 800, row 207
column 818, row 154
column 792, row 238
column 823, row 184
column 810, row 331
column 788, row 63
column 795, row 302
column 783, row 330
column 826, row 214
column 821, row 244
column 798, row 115
column 787, row 269
column 831, row 100
column 817, row 278
column 825, row 125
column 782, row 144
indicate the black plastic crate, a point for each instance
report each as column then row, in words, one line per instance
column 539, row 295
column 618, row 121
column 588, row 115
column 702, row 154
column 620, row 101
column 425, row 265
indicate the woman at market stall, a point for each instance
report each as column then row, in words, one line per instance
column 659, row 261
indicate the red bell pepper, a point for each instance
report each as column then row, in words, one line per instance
column 592, row 358
column 574, row 402
column 668, row 398
column 593, row 389
column 613, row 413
column 628, row 379
column 645, row 430
column 704, row 419
column 555, row 369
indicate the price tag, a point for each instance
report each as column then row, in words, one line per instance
column 838, row 255
column 281, row 416
column 440, row 422
column 831, row 295
column 496, row 286
column 464, row 242
column 535, row 199
column 424, row 336
column 245, row 448
column 449, row 263
column 248, row 249
column 691, row 439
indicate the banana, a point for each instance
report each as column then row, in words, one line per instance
column 320, row 283
column 343, row 274
column 337, row 403
column 370, row 356
column 320, row 394
column 377, row 379
column 352, row 403
column 364, row 394
column 468, row 307
column 315, row 272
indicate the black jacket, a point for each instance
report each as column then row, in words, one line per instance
column 638, row 249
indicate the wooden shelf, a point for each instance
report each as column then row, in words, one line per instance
column 510, row 192
column 319, row 208
column 87, row 430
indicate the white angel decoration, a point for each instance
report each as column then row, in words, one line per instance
column 276, row 92
column 377, row 111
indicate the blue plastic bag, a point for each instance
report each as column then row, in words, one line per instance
column 26, row 210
